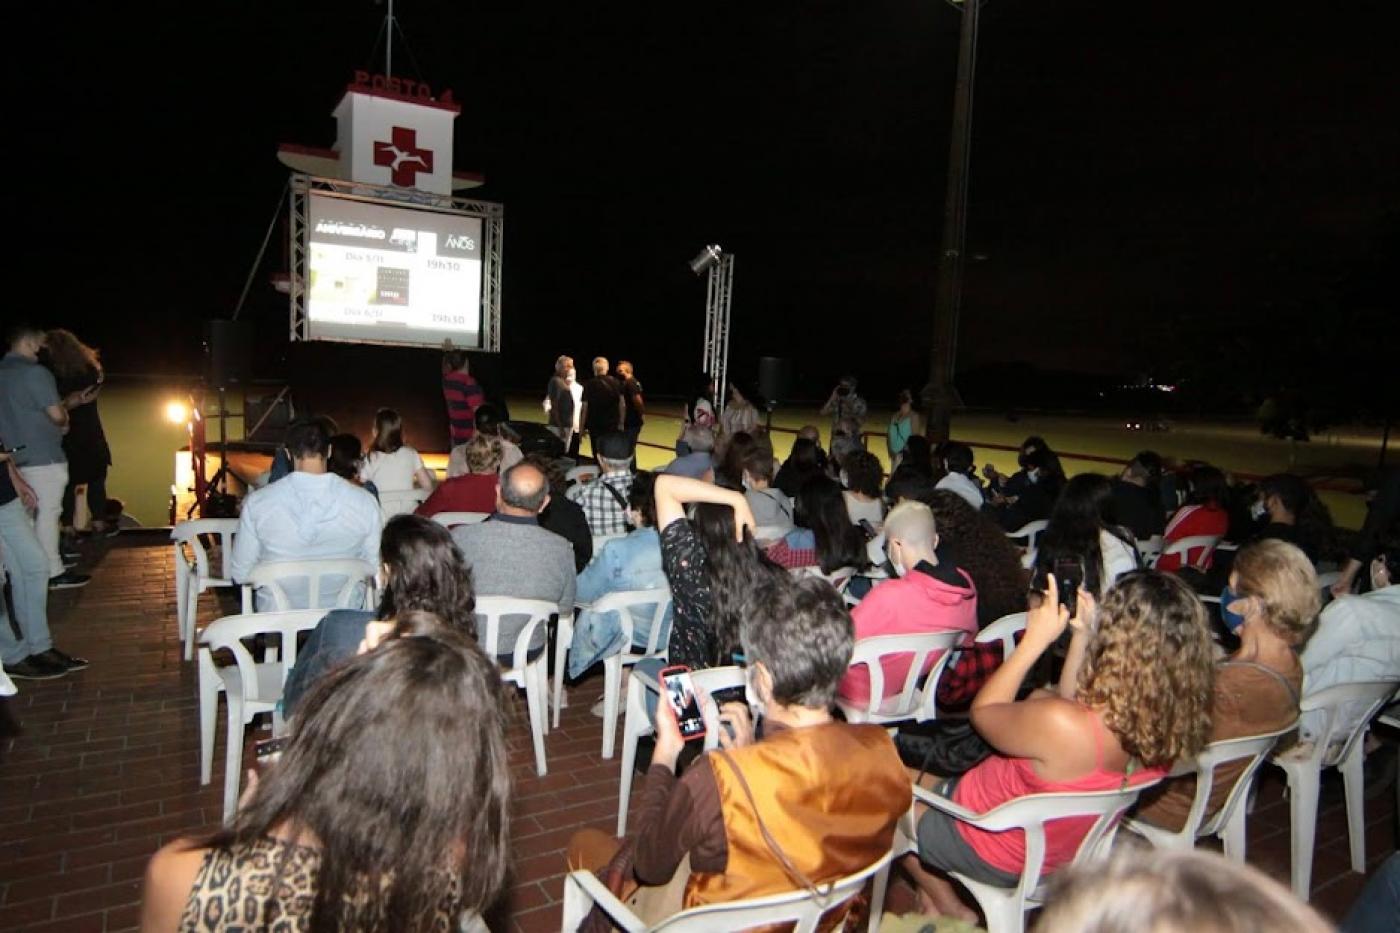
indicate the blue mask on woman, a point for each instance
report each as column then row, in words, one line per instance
column 1232, row 620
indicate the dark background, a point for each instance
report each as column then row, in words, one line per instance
column 1205, row 194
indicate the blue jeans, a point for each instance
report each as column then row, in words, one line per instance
column 28, row 568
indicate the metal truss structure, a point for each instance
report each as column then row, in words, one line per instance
column 492, row 226
column 718, row 296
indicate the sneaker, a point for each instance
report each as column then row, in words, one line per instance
column 69, row 580
column 35, row 667
column 69, row 562
column 61, row 659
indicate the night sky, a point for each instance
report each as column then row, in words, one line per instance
column 1133, row 165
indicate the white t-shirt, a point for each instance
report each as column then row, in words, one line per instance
column 1118, row 558
column 391, row 472
column 872, row 511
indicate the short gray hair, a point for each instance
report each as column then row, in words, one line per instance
column 802, row 632
column 524, row 486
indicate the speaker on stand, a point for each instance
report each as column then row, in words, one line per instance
column 774, row 382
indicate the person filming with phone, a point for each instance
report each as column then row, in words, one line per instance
column 811, row 801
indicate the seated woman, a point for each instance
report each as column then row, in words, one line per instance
column 1083, row 528
column 389, row 808
column 1295, row 514
column 805, row 460
column 346, row 458
column 475, row 490
column 422, row 570
column 1121, row 717
column 814, row 800
column 824, row 537
column 711, row 564
column 1274, row 595
column 1206, row 514
column 864, row 477
column 391, row 465
column 629, row 563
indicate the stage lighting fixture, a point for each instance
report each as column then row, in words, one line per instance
column 176, row 412
column 706, row 258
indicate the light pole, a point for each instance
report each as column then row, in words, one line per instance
column 939, row 394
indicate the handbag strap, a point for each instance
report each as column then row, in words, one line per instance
column 795, row 874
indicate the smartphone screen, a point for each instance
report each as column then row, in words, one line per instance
column 680, row 691
column 1069, row 576
column 268, row 751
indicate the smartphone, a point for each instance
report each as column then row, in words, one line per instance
column 685, row 703
column 1069, row 576
column 268, row 751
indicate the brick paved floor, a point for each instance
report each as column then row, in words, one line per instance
column 106, row 770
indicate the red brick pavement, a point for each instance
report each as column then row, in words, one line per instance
column 107, row 769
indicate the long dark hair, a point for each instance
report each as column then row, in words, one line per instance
column 822, row 508
column 388, row 432
column 739, row 571
column 977, row 544
column 1311, row 517
column 805, row 459
column 426, row 572
column 731, row 468
column 1084, row 509
column 398, row 769
column 73, row 362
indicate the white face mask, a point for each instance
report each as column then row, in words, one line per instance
column 751, row 697
column 1033, row 475
column 1257, row 510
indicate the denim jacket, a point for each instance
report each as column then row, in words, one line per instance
column 630, row 563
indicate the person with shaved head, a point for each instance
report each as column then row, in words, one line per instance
column 510, row 554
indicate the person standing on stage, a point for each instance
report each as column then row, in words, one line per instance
column 462, row 394
column 634, row 406
column 603, row 409
column 559, row 401
column 33, row 420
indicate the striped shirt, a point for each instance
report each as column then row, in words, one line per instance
column 463, row 397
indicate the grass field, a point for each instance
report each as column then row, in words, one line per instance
column 144, row 445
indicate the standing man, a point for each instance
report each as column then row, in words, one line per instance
column 844, row 405
column 633, row 405
column 32, row 655
column 462, row 394
column 603, row 409
column 33, row 420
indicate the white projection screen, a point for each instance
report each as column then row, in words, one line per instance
column 378, row 273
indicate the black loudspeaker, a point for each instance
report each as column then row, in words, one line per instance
column 774, row 378
column 229, row 350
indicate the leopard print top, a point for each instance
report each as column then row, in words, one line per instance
column 264, row 885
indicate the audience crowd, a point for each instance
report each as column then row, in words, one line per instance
column 389, row 806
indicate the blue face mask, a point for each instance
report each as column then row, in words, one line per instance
column 1232, row 620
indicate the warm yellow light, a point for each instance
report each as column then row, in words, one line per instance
column 177, row 412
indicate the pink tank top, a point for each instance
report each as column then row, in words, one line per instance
column 999, row 779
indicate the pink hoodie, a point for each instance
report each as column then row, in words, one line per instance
column 917, row 602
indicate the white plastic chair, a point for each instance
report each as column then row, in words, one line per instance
column 249, row 686
column 1183, row 547
column 356, row 582
column 1005, row 908
column 586, row 473
column 453, row 519
column 399, row 501
column 1004, row 630
column 583, row 890
column 911, row 702
column 1150, row 549
column 1305, row 773
column 636, row 723
column 1229, row 822
column 659, row 601
column 193, row 573
column 532, row 676
column 1030, row 531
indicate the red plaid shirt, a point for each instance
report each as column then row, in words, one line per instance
column 969, row 673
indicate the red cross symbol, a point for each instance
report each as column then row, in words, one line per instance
column 403, row 157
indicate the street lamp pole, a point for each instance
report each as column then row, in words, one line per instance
column 939, row 395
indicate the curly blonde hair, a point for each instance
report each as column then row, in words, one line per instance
column 483, row 454
column 1150, row 668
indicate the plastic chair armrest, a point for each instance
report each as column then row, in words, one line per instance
column 939, row 802
column 598, row 893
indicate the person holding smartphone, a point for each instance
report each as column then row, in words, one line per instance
column 759, row 817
